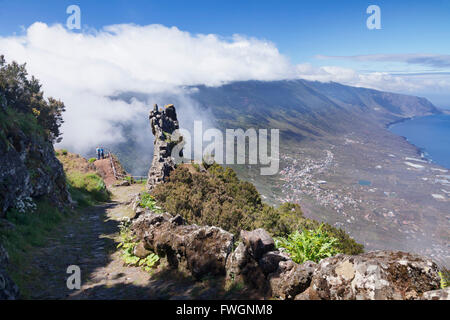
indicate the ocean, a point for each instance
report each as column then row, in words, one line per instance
column 430, row 134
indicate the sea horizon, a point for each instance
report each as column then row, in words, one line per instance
column 429, row 134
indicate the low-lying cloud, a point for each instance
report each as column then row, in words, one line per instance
column 87, row 69
column 430, row 60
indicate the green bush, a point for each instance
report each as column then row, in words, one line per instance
column 309, row 245
column 92, row 160
column 64, row 152
column 219, row 198
column 22, row 94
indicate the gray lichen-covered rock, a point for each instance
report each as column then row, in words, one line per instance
column 377, row 275
column 291, row 278
column 30, row 169
column 201, row 250
column 270, row 261
column 163, row 123
column 253, row 259
column 8, row 289
column 442, row 294
column 140, row 250
column 243, row 268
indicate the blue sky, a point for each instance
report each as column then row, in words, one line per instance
column 320, row 32
column 300, row 29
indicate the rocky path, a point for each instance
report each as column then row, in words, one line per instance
column 88, row 240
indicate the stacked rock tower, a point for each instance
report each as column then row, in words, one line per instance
column 163, row 123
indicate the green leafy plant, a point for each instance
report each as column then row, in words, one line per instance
column 92, row 160
column 127, row 244
column 313, row 245
column 149, row 202
column 445, row 278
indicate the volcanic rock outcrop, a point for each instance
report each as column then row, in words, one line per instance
column 442, row 294
column 208, row 251
column 29, row 169
column 163, row 123
column 201, row 250
column 377, row 275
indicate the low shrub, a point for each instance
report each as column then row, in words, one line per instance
column 219, row 198
column 92, row 160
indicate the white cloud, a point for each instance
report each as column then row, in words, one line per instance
column 432, row 60
column 410, row 83
column 85, row 69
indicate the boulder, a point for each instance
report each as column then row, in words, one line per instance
column 243, row 268
column 201, row 250
column 137, row 209
column 206, row 250
column 442, row 294
column 270, row 261
column 258, row 242
column 378, row 275
column 291, row 278
column 140, row 250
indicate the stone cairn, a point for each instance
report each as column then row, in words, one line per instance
column 163, row 123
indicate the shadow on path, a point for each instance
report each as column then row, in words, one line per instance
column 89, row 240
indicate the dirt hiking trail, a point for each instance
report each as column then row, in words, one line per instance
column 88, row 239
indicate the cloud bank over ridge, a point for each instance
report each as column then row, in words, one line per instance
column 84, row 69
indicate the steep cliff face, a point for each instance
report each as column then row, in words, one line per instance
column 8, row 289
column 29, row 169
column 29, row 125
column 163, row 123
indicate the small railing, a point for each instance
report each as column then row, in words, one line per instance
column 118, row 176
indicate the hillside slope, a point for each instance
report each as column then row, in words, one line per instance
column 306, row 109
column 301, row 109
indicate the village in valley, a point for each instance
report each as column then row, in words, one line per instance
column 383, row 196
